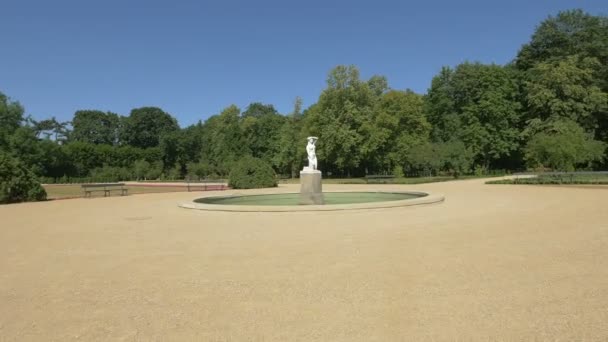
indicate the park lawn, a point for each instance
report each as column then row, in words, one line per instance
column 565, row 179
column 403, row 180
column 58, row 191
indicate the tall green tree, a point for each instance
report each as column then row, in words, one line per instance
column 567, row 89
column 96, row 127
column 11, row 118
column 180, row 148
column 479, row 105
column 223, row 140
column 397, row 123
column 569, row 33
column 343, row 107
column 145, row 126
column 290, row 154
column 261, row 125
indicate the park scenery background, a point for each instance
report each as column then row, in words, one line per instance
column 546, row 110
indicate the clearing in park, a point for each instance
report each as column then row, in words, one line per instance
column 490, row 262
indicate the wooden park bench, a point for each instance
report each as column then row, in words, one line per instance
column 206, row 185
column 379, row 178
column 107, row 188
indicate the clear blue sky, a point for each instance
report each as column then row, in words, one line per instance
column 193, row 58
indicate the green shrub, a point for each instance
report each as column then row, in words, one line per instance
column 18, row 183
column 252, row 173
column 111, row 174
column 398, row 172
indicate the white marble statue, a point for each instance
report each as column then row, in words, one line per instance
column 312, row 156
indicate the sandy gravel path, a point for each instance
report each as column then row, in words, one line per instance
column 493, row 262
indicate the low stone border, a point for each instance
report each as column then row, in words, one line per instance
column 428, row 199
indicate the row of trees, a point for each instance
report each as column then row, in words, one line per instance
column 546, row 109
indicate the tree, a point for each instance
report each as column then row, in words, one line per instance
column 563, row 145
column 425, row 159
column 84, row 157
column 458, row 159
column 337, row 118
column 569, row 33
column 397, row 124
column 451, row 156
column 145, row 126
column 223, row 140
column 24, row 145
column 17, row 182
column 291, row 141
column 261, row 126
column 565, row 89
column 140, row 169
column 11, row 117
column 479, row 105
column 96, row 127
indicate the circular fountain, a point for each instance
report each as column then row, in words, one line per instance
column 283, row 202
column 311, row 196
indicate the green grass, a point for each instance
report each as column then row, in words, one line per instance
column 57, row 191
column 559, row 179
column 404, row 180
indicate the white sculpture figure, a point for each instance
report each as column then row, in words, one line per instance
column 312, row 156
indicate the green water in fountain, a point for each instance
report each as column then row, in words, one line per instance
column 294, row 198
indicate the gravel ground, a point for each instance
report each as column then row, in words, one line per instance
column 493, row 262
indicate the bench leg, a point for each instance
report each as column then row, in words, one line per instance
column 106, row 193
column 124, row 192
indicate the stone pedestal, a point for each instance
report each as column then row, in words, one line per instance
column 311, row 191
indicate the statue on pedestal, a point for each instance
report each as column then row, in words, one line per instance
column 311, row 190
column 312, row 156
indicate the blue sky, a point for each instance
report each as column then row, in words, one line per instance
column 194, row 58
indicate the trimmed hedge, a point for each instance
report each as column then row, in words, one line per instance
column 17, row 182
column 565, row 179
column 252, row 173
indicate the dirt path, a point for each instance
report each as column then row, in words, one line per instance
column 493, row 262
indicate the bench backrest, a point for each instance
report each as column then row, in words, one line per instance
column 380, row 176
column 102, row 185
column 207, row 181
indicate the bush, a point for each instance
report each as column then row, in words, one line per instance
column 18, row 183
column 398, row 172
column 111, row 174
column 252, row 173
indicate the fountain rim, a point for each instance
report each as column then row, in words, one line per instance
column 426, row 198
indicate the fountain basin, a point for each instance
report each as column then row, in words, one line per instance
column 282, row 202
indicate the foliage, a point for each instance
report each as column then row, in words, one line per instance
column 142, row 169
column 569, row 33
column 96, row 127
column 252, row 173
column 431, row 158
column 562, row 146
column 290, row 155
column 566, row 89
column 17, row 182
column 11, row 117
column 558, row 178
column 397, row 124
column 477, row 104
column 261, row 126
column 200, row 170
column 145, row 126
column 111, row 174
